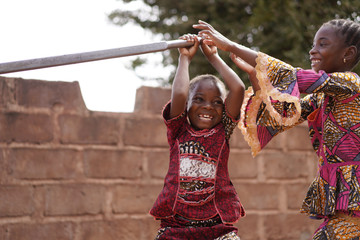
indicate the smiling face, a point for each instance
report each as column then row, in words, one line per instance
column 205, row 105
column 328, row 51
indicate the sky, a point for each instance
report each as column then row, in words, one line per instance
column 43, row 28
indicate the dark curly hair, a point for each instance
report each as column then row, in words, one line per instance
column 208, row 77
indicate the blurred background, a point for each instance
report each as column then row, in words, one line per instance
column 40, row 28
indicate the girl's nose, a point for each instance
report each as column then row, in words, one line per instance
column 208, row 105
column 312, row 50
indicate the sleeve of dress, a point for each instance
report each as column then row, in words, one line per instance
column 339, row 85
column 275, row 107
column 229, row 122
column 174, row 125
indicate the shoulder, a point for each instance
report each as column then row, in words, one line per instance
column 174, row 125
column 166, row 114
column 349, row 79
column 271, row 63
column 229, row 123
column 349, row 76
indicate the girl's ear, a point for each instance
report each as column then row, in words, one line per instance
column 350, row 54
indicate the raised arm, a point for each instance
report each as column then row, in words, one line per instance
column 250, row 70
column 213, row 37
column 180, row 86
column 236, row 87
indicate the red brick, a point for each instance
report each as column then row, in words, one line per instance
column 145, row 131
column 277, row 143
column 4, row 171
column 237, row 140
column 299, row 136
column 151, row 227
column 88, row 130
column 242, row 165
column 134, row 199
column 32, row 163
column 287, row 165
column 74, row 199
column 22, row 127
column 122, row 196
column 53, row 231
column 258, row 196
column 3, row 232
column 248, row 227
column 113, row 164
column 295, row 194
column 289, row 227
column 16, row 201
column 150, row 99
column 46, row 94
column 158, row 162
column 112, row 230
column 313, row 165
column 6, row 91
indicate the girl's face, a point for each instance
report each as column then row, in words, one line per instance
column 205, row 105
column 328, row 51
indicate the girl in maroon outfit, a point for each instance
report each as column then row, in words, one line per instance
column 198, row 200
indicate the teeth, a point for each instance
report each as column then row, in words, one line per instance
column 206, row 116
column 315, row 61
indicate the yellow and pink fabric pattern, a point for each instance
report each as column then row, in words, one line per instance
column 331, row 106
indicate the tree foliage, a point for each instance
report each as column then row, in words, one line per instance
column 281, row 28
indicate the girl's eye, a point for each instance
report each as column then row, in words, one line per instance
column 218, row 102
column 321, row 44
column 198, row 99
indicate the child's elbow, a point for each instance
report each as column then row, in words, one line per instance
column 239, row 88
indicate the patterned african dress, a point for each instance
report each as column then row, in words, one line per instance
column 198, row 200
column 332, row 108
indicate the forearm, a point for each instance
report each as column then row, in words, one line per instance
column 245, row 53
column 181, row 79
column 180, row 87
column 230, row 78
column 254, row 81
column 233, row 82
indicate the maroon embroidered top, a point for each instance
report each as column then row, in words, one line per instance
column 197, row 185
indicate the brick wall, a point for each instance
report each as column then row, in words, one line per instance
column 67, row 173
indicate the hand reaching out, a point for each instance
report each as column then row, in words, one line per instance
column 242, row 64
column 211, row 36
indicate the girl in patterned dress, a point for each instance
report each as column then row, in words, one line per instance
column 331, row 107
column 198, row 200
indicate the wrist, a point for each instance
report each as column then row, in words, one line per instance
column 184, row 59
column 231, row 46
column 212, row 57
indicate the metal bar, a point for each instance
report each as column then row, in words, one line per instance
column 46, row 62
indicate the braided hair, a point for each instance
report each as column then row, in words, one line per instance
column 350, row 30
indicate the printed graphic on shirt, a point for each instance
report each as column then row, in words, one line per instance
column 197, row 174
